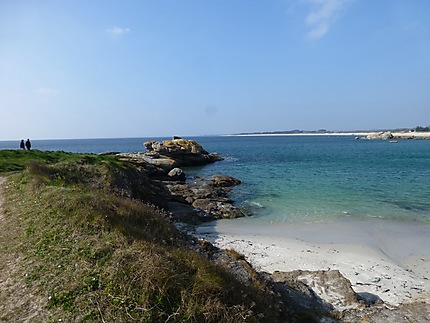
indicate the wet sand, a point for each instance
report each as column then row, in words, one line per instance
column 390, row 259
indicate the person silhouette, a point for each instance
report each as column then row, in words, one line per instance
column 28, row 144
column 22, row 145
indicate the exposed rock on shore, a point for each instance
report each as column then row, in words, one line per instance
column 328, row 290
column 317, row 296
column 388, row 135
column 196, row 200
column 208, row 198
column 380, row 135
column 178, row 152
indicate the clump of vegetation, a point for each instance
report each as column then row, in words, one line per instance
column 78, row 249
column 422, row 129
column 235, row 255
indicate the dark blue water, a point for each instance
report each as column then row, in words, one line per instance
column 95, row 146
column 305, row 178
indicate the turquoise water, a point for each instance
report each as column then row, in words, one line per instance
column 311, row 178
column 305, row 178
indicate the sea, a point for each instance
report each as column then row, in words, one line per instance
column 302, row 179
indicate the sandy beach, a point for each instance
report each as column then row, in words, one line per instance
column 389, row 259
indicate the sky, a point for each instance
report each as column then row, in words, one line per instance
column 140, row 68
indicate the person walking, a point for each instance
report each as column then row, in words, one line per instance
column 28, row 144
column 22, row 145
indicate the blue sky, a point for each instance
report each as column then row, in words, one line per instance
column 101, row 69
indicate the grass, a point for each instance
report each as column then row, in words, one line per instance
column 17, row 160
column 84, row 251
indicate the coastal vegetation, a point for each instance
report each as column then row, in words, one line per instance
column 75, row 246
column 422, row 129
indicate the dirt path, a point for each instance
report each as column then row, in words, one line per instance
column 17, row 303
column 2, row 180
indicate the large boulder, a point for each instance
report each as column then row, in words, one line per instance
column 218, row 209
column 224, row 181
column 175, row 145
column 177, row 174
column 170, row 154
column 316, row 292
column 183, row 152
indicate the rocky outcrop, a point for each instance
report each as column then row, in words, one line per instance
column 224, row 181
column 388, row 135
column 380, row 135
column 170, row 154
column 178, row 152
column 194, row 200
column 324, row 290
column 208, row 198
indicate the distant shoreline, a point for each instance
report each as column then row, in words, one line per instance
column 400, row 135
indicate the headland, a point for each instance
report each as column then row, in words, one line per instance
column 365, row 135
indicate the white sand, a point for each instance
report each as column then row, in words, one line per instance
column 390, row 259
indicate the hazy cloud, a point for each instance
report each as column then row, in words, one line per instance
column 46, row 91
column 322, row 15
column 211, row 110
column 116, row 32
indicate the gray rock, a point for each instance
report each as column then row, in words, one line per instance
column 206, row 205
column 219, row 209
column 224, row 181
column 177, row 174
column 208, row 198
column 327, row 289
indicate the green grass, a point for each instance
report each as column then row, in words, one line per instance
column 89, row 254
column 17, row 160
